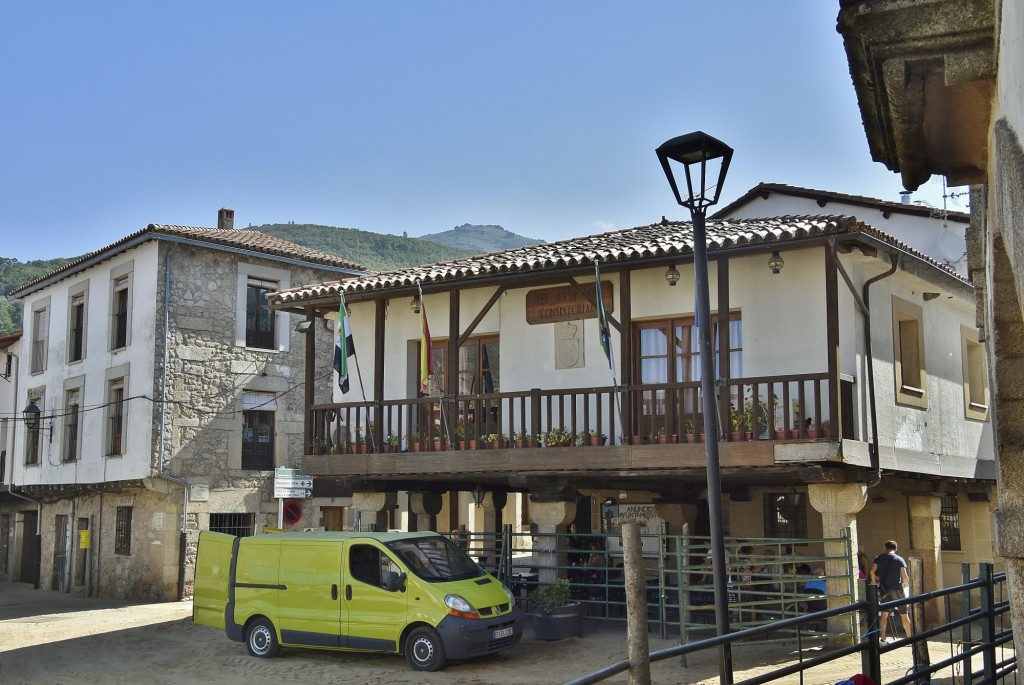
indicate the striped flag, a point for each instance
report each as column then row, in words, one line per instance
column 343, row 345
column 602, row 319
column 426, row 351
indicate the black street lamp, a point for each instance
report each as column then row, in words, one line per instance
column 694, row 151
column 31, row 416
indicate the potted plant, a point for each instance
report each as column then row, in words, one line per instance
column 493, row 440
column 737, row 422
column 556, row 616
column 416, row 441
column 688, row 431
column 392, row 442
column 521, row 439
column 593, row 438
column 316, row 446
column 659, row 436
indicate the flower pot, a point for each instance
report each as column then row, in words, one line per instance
column 635, row 440
column 734, row 436
column 559, row 623
column 673, row 439
column 518, row 444
column 662, row 439
column 812, row 433
column 691, row 437
column 748, row 435
column 414, row 446
column 595, row 441
column 780, row 434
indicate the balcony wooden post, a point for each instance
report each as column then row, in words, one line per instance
column 724, row 368
column 832, row 342
column 380, row 338
column 307, row 429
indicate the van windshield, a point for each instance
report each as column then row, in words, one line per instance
column 435, row 559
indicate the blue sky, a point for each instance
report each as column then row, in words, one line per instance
column 542, row 117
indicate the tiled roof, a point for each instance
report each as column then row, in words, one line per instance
column 236, row 239
column 823, row 197
column 628, row 246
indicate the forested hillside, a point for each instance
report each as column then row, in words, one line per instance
column 375, row 251
column 13, row 274
column 481, row 239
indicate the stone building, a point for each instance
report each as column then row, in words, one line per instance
column 156, row 395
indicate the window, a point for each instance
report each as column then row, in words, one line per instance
column 76, row 328
column 368, row 564
column 115, row 417
column 258, row 411
column 119, row 314
column 479, row 374
column 785, row 515
column 668, row 351
column 72, row 404
column 40, row 329
column 241, row 525
column 975, row 369
column 908, row 353
column 949, row 522
column 259, row 318
column 123, row 531
column 33, row 436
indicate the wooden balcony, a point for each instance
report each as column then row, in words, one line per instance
column 642, row 428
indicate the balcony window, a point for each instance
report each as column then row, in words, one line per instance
column 76, row 328
column 258, row 412
column 120, row 309
column 259, row 318
column 33, row 436
column 40, row 332
column 71, row 424
column 908, row 353
column 115, row 417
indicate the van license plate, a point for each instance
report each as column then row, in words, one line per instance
column 502, row 632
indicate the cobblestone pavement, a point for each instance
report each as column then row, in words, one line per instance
column 46, row 637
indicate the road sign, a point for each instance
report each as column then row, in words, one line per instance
column 293, row 482
column 293, row 493
column 292, row 512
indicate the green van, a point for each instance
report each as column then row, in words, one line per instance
column 416, row 594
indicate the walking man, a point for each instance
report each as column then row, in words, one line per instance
column 889, row 572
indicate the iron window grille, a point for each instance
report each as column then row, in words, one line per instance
column 241, row 525
column 123, row 531
column 785, row 515
column 949, row 523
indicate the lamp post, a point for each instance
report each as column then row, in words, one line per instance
column 694, row 151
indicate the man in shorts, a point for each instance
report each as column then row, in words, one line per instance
column 889, row 572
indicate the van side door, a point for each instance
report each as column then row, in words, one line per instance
column 309, row 609
column 375, row 615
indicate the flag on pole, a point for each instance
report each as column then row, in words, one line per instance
column 343, row 345
column 602, row 319
column 426, row 351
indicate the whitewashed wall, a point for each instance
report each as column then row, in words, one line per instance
column 93, row 465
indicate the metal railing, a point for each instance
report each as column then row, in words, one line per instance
column 980, row 640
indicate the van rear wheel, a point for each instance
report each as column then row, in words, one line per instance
column 423, row 650
column 261, row 639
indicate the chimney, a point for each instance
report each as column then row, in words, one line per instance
column 226, row 219
column 905, row 197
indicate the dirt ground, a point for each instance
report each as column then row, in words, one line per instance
column 46, row 637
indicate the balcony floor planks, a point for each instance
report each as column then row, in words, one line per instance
column 630, row 458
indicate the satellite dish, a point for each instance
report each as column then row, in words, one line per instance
column 952, row 246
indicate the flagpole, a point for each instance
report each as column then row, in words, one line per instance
column 604, row 334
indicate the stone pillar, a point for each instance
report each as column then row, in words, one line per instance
column 549, row 515
column 425, row 506
column 926, row 538
column 838, row 504
column 370, row 505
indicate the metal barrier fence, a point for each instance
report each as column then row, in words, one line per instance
column 981, row 634
column 769, row 579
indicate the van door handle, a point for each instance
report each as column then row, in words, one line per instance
column 348, row 592
column 334, row 591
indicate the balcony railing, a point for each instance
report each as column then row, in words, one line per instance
column 793, row 407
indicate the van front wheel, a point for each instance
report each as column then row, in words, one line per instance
column 423, row 650
column 261, row 639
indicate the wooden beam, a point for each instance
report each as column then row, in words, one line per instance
column 307, row 422
column 724, row 369
column 832, row 341
column 483, row 312
column 380, row 341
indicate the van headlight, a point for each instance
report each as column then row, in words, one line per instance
column 508, row 593
column 458, row 606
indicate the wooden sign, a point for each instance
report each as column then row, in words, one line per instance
column 565, row 303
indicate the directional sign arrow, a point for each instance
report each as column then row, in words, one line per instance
column 293, row 482
column 292, row 493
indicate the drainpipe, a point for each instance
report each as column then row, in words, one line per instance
column 863, row 302
column 182, row 539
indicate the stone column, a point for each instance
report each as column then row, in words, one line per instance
column 370, row 504
column 838, row 504
column 425, row 506
column 926, row 537
column 549, row 515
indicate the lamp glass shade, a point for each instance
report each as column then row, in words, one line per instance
column 415, row 304
column 31, row 415
column 672, row 275
column 776, row 262
column 705, row 162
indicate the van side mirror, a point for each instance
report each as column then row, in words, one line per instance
column 394, row 581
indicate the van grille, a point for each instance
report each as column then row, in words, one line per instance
column 496, row 610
